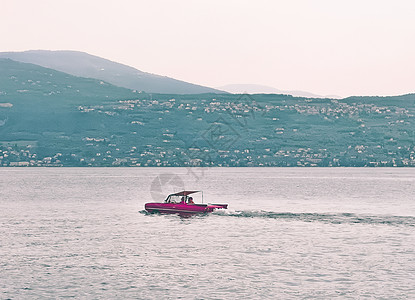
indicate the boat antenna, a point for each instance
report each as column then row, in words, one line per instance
column 202, row 197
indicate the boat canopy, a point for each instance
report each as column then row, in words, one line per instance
column 184, row 193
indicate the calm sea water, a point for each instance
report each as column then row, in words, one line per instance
column 288, row 234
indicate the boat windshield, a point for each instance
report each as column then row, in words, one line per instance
column 176, row 199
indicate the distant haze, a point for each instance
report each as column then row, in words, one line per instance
column 323, row 47
column 263, row 89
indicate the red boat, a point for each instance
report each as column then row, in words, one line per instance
column 181, row 203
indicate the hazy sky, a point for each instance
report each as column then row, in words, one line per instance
column 352, row 47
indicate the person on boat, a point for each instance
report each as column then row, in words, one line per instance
column 190, row 201
column 183, row 200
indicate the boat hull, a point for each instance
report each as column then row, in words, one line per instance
column 182, row 208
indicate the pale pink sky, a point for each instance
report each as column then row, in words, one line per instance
column 353, row 47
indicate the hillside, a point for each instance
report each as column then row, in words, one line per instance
column 35, row 101
column 23, row 80
column 90, row 66
column 49, row 118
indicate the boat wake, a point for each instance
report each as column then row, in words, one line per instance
column 333, row 218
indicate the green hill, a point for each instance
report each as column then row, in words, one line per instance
column 20, row 81
column 85, row 65
column 49, row 118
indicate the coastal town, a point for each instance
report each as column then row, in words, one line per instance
column 259, row 130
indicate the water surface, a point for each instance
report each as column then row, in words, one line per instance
column 288, row 234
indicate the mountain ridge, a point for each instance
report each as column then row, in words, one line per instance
column 91, row 66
